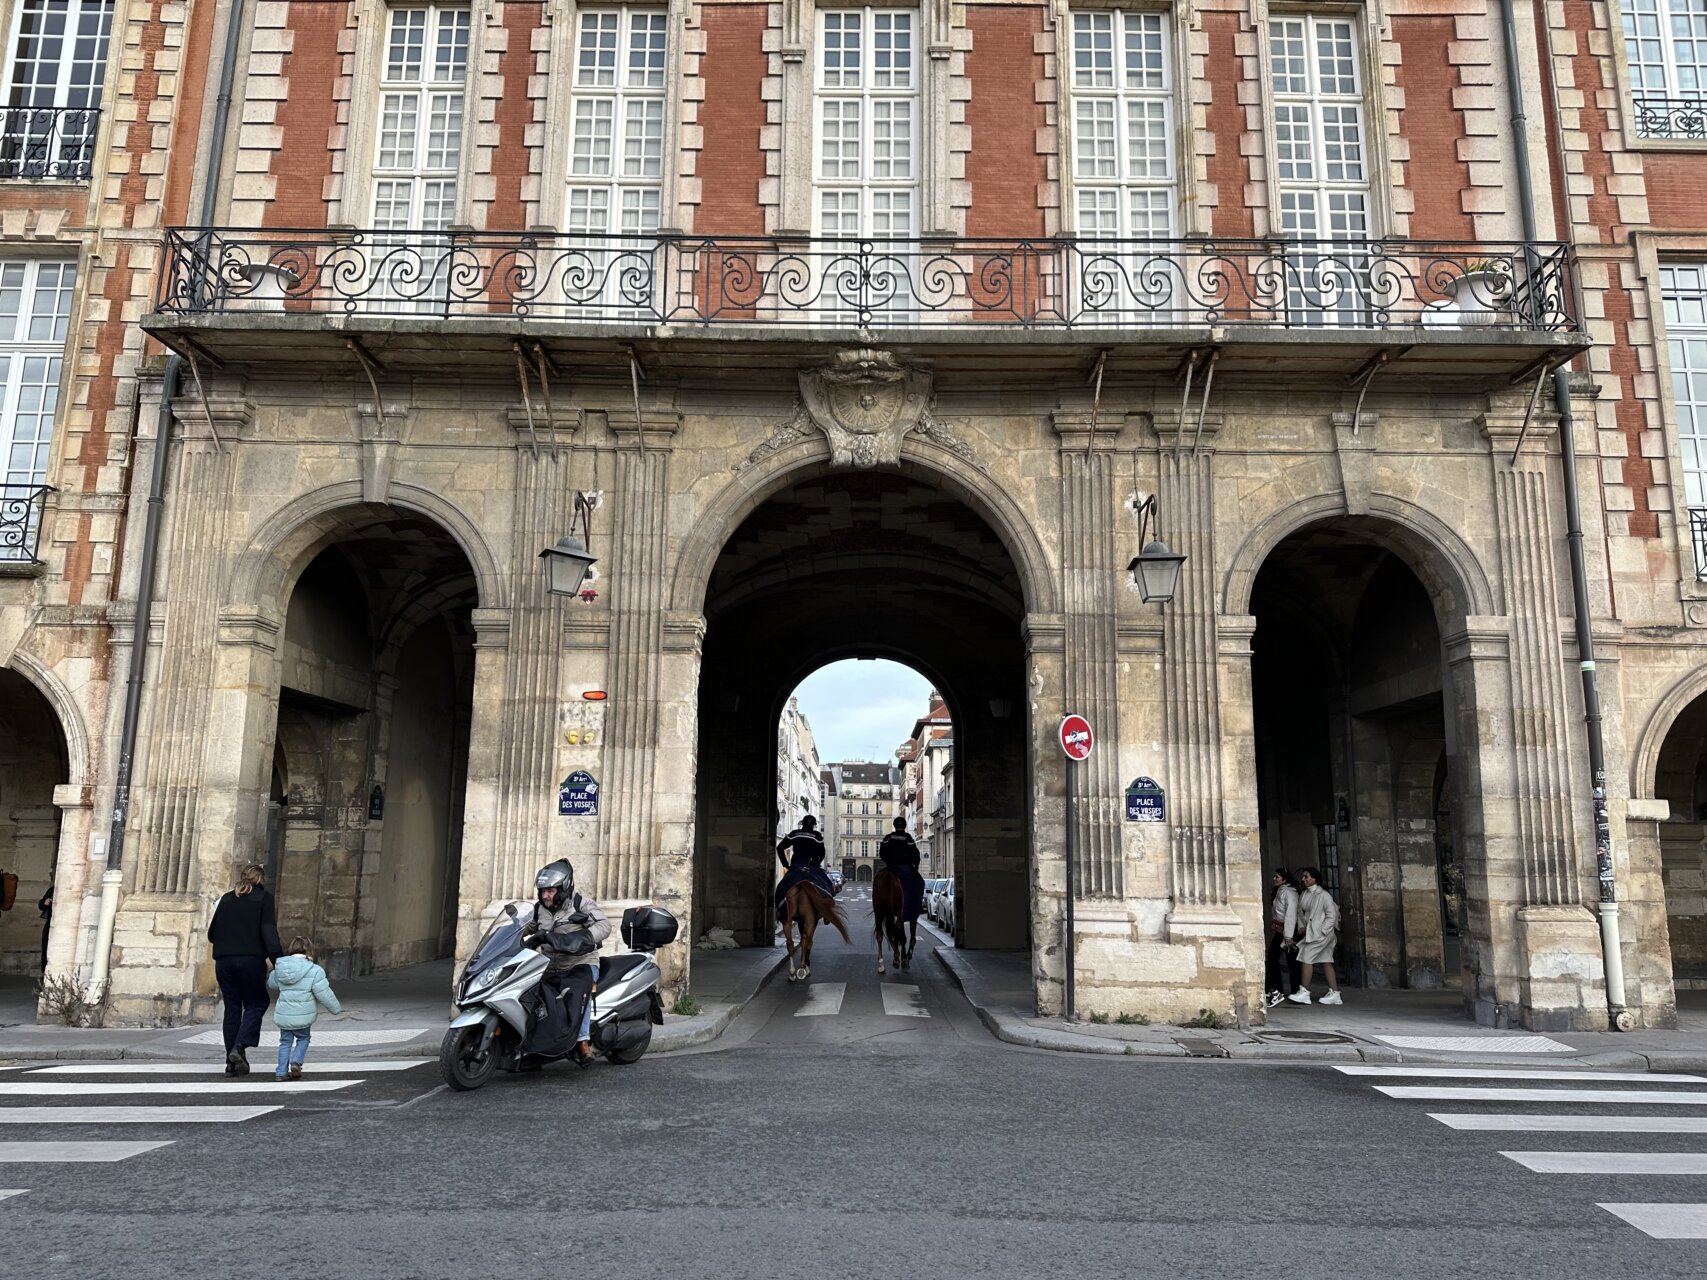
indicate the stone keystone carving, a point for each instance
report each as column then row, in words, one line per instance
column 865, row 402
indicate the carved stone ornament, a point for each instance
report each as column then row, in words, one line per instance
column 865, row 402
column 798, row 427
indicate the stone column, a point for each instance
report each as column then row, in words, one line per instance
column 1563, row 983
column 480, row 878
column 638, row 589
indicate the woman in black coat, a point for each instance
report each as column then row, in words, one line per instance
column 245, row 936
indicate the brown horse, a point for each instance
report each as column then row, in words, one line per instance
column 888, row 905
column 805, row 905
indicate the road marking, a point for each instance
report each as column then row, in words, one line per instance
column 1656, row 1097
column 79, row 1088
column 73, row 1152
column 1687, row 1162
column 1664, row 1221
column 7, row 1195
column 337, row 1035
column 823, row 999
column 1571, row 1124
column 1518, row 1073
column 903, row 1002
column 203, row 1069
column 1478, row 1044
column 130, row 1115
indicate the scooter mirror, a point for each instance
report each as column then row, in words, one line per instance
column 510, row 910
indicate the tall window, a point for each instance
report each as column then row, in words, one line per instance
column 35, row 314
column 50, row 104
column 421, row 96
column 866, row 172
column 1666, row 44
column 1321, row 163
column 1684, row 289
column 616, row 157
column 1123, row 134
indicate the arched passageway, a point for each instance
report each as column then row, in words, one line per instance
column 33, row 761
column 1681, row 781
column 371, row 755
column 863, row 564
column 1357, row 764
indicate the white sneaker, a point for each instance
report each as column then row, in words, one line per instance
column 1333, row 997
column 1299, row 996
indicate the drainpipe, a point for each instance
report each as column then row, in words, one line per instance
column 113, row 877
column 1611, row 946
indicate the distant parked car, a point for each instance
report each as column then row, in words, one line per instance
column 932, row 888
column 945, row 905
column 836, row 880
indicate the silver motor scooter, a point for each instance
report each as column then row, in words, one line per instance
column 500, row 1002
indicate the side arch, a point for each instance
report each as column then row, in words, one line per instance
column 65, row 710
column 288, row 539
column 1645, row 759
column 749, row 490
column 1430, row 547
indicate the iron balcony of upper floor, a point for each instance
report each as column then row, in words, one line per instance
column 734, row 305
column 48, row 144
column 1681, row 118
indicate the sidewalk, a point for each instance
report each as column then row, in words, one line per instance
column 1372, row 1026
column 400, row 1013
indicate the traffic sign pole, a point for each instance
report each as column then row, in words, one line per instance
column 1071, row 771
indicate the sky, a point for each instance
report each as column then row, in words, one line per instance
column 862, row 710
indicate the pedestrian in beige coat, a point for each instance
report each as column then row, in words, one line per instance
column 1321, row 919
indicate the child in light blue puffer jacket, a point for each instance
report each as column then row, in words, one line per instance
column 302, row 989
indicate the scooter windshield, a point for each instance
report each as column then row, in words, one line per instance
column 501, row 941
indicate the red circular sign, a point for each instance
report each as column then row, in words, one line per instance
column 1076, row 737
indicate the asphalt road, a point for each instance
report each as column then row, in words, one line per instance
column 884, row 1137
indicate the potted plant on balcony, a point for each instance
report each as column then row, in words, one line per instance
column 1482, row 291
column 267, row 286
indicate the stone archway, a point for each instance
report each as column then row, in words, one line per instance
column 1679, row 778
column 34, row 763
column 846, row 563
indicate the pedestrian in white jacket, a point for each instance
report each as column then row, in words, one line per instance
column 1282, row 929
column 1321, row 920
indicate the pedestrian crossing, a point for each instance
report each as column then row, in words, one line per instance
column 1592, row 1103
column 824, row 1000
column 64, row 1106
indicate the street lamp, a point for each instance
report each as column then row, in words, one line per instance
column 1155, row 569
column 569, row 562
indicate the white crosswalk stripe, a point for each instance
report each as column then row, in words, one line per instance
column 1596, row 1089
column 823, row 1000
column 81, row 1088
column 73, row 1152
column 1664, row 1221
column 131, row 1115
column 218, row 1068
column 7, row 1195
column 903, row 1002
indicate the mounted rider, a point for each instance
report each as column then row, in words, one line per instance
column 801, row 853
column 568, row 928
column 900, row 854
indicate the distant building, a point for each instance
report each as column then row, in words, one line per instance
column 865, row 797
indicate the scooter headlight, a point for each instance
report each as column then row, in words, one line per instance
column 488, row 979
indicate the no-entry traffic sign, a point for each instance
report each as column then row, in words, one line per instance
column 1076, row 737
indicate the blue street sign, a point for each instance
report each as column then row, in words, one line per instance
column 578, row 796
column 1146, row 802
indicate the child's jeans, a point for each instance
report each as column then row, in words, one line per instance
column 293, row 1048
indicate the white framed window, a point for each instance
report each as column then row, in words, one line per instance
column 1121, row 94
column 1321, row 164
column 1665, row 45
column 35, row 316
column 865, row 163
column 422, row 96
column 1683, row 289
column 617, row 108
column 50, row 94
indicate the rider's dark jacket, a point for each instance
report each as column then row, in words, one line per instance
column 898, row 850
column 807, row 846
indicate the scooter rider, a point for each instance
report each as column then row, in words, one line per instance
column 569, row 927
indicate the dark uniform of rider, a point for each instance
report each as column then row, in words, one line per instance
column 801, row 853
column 901, row 856
column 568, row 927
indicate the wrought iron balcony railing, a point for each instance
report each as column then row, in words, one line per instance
column 1698, row 537
column 1041, row 283
column 1662, row 117
column 48, row 144
column 21, row 509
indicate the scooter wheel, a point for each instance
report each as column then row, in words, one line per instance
column 627, row 1057
column 458, row 1064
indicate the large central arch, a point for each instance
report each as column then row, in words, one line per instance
column 824, row 564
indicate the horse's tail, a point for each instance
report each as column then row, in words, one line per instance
column 886, row 918
column 831, row 910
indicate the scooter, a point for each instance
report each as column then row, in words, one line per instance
column 501, row 1003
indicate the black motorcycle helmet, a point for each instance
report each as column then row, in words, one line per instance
column 557, row 875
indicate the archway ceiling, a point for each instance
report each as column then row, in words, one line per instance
column 878, row 534
column 1324, row 569
column 409, row 566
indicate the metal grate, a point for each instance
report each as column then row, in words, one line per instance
column 48, row 144
column 21, row 508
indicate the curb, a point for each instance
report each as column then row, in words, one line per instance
column 665, row 1039
column 1014, row 1030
